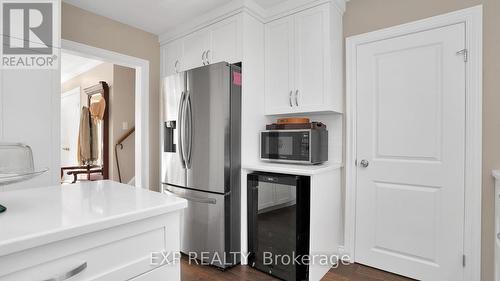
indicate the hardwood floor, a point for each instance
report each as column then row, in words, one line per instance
column 354, row 272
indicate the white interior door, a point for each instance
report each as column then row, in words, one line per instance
column 70, row 124
column 411, row 133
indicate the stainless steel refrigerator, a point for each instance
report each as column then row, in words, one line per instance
column 201, row 137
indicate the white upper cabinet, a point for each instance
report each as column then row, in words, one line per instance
column 172, row 58
column 303, row 65
column 299, row 62
column 312, row 57
column 221, row 41
column 226, row 40
column 195, row 46
column 279, row 65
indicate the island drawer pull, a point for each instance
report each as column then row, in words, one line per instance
column 65, row 276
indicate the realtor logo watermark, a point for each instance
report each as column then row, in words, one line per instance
column 267, row 258
column 29, row 34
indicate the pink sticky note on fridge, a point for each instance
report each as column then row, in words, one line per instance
column 237, row 78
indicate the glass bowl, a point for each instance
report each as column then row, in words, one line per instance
column 16, row 163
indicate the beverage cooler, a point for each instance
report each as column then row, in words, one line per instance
column 278, row 223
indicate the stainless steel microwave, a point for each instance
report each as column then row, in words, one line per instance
column 303, row 146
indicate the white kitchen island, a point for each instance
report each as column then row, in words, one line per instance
column 89, row 231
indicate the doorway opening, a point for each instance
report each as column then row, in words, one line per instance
column 97, row 120
column 141, row 111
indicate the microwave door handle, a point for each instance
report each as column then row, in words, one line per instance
column 181, row 130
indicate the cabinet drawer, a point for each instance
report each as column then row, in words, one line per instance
column 101, row 262
column 118, row 253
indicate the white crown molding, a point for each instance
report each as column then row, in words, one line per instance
column 232, row 8
column 294, row 6
column 248, row 6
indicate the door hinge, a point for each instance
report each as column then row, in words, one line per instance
column 463, row 260
column 465, row 53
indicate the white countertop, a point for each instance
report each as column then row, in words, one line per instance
column 293, row 169
column 39, row 216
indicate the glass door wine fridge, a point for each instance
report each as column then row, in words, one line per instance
column 278, row 224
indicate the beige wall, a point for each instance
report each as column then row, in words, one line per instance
column 369, row 15
column 122, row 110
column 94, row 30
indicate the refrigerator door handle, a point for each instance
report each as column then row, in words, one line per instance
column 185, row 131
column 212, row 201
column 180, row 117
column 189, row 131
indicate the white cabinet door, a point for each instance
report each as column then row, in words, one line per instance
column 195, row 46
column 279, row 65
column 226, row 41
column 312, row 58
column 172, row 53
column 301, row 50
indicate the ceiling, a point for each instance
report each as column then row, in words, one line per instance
column 155, row 16
column 73, row 65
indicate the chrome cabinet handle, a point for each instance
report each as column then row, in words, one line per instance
column 176, row 66
column 290, row 98
column 194, row 199
column 203, row 57
column 73, row 272
column 364, row 163
column 206, row 57
column 297, row 97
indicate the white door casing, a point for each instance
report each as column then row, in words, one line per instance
column 70, row 123
column 399, row 185
column 142, row 122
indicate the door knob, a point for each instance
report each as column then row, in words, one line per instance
column 364, row 163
